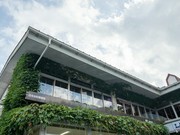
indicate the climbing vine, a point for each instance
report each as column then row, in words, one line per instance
column 24, row 79
column 20, row 115
column 20, row 120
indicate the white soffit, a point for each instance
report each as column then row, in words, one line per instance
column 35, row 41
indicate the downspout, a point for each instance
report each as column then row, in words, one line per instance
column 43, row 53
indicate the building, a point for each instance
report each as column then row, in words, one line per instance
column 70, row 77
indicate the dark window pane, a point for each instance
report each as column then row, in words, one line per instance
column 170, row 112
column 154, row 114
column 107, row 98
column 162, row 113
column 87, row 92
column 135, row 110
column 128, row 109
column 75, row 89
column 148, row 113
column 97, row 95
column 81, row 83
column 120, row 106
column 61, row 84
column 142, row 111
column 177, row 108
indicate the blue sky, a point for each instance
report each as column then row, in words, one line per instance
column 140, row 37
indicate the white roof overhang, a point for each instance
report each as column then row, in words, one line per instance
column 35, row 41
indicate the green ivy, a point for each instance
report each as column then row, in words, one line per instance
column 24, row 79
column 20, row 120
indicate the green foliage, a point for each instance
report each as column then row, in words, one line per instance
column 24, row 79
column 20, row 120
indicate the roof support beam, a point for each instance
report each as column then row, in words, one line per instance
column 49, row 43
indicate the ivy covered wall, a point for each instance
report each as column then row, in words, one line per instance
column 24, row 79
column 20, row 120
column 20, row 115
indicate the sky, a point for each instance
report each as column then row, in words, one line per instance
column 140, row 37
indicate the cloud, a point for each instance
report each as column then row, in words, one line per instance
column 137, row 36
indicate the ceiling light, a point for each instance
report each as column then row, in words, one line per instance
column 65, row 133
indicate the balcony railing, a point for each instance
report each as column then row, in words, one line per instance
column 44, row 98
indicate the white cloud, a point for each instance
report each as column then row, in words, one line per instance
column 137, row 36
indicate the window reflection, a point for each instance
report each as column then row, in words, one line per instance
column 60, row 90
column 170, row 112
column 142, row 111
column 135, row 110
column 148, row 113
column 120, row 106
column 46, row 86
column 128, row 109
column 98, row 100
column 177, row 108
column 154, row 116
column 107, row 101
column 86, row 96
column 75, row 94
column 162, row 114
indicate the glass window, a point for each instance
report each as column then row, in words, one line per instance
column 87, row 96
column 177, row 108
column 170, row 113
column 120, row 106
column 142, row 111
column 98, row 100
column 107, row 101
column 128, row 109
column 154, row 115
column 46, row 86
column 162, row 114
column 135, row 110
column 75, row 81
column 75, row 93
column 60, row 90
column 148, row 113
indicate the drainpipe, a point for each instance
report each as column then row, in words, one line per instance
column 43, row 53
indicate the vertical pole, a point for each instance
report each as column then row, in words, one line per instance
column 114, row 101
column 166, row 114
column 174, row 110
column 132, row 108
column 139, row 111
column 157, row 115
column 88, row 131
column 69, row 85
column 124, row 107
column 145, row 112
column 42, row 131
